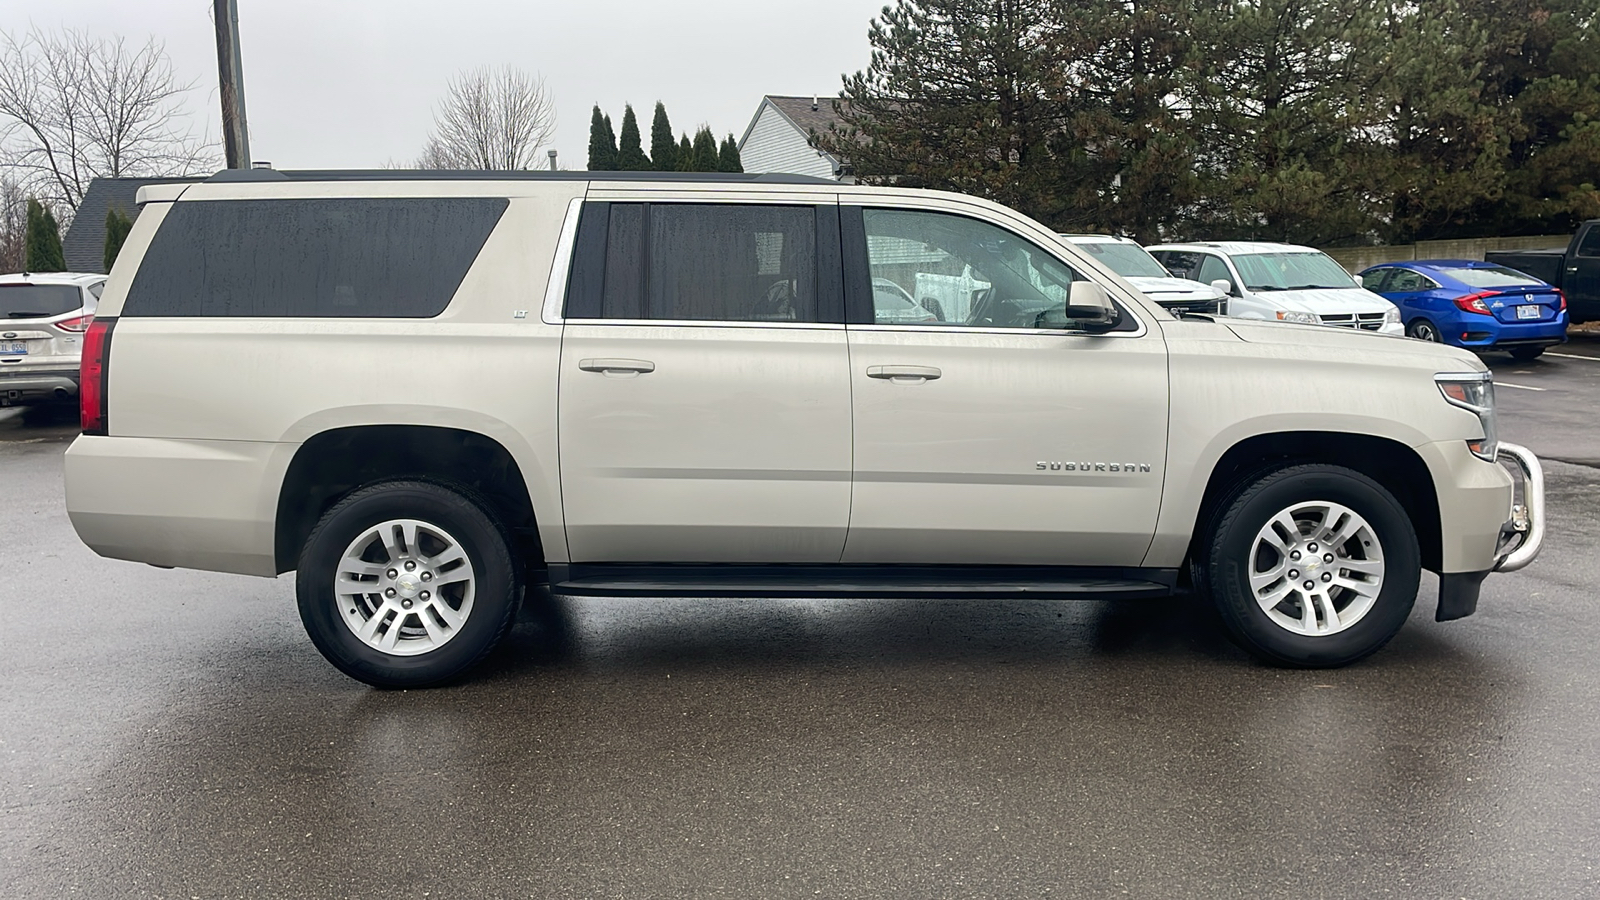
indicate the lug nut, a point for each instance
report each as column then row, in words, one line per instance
column 1310, row 585
column 1327, row 576
column 393, row 573
column 411, row 565
column 389, row 592
column 426, row 595
column 1327, row 557
column 1294, row 573
column 406, row 603
column 428, row 576
column 1312, row 547
column 1293, row 554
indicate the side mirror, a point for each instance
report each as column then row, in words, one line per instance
column 1088, row 308
column 1223, row 285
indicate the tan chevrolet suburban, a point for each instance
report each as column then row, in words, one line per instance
column 427, row 392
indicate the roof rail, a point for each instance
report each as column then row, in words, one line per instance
column 752, row 178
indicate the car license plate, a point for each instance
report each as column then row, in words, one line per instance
column 1530, row 311
column 13, row 348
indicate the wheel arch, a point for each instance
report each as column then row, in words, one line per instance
column 331, row 464
column 1395, row 466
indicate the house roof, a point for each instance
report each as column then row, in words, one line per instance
column 85, row 242
column 806, row 114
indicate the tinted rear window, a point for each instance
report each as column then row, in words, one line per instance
column 1490, row 276
column 38, row 301
column 352, row 258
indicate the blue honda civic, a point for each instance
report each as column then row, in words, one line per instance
column 1472, row 304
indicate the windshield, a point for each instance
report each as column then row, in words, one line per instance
column 1127, row 260
column 38, row 301
column 1291, row 272
column 1491, row 276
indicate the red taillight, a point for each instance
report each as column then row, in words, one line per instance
column 1563, row 295
column 1473, row 303
column 81, row 323
column 92, row 376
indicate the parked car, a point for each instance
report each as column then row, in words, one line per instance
column 1575, row 270
column 426, row 393
column 42, row 321
column 1125, row 257
column 1472, row 304
column 1282, row 283
column 891, row 303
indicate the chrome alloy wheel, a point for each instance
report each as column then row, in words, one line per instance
column 1316, row 568
column 405, row 587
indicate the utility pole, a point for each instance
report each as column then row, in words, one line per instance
column 235, row 138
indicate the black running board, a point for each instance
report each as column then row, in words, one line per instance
column 624, row 580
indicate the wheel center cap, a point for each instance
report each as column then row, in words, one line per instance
column 1313, row 564
column 407, row 585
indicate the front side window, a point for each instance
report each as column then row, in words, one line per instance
column 700, row 261
column 960, row 272
column 1591, row 242
column 1212, row 268
column 1378, row 279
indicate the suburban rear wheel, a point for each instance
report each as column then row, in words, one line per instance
column 1423, row 330
column 407, row 584
column 1523, row 354
column 1312, row 566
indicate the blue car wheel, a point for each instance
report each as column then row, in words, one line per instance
column 1423, row 330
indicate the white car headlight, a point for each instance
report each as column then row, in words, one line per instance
column 1391, row 316
column 1302, row 318
column 1474, row 391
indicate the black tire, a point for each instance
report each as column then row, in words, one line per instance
column 1423, row 330
column 1225, row 558
column 1526, row 354
column 488, row 548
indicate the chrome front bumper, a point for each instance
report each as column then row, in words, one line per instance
column 1523, row 533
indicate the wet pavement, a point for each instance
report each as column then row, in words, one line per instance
column 174, row 734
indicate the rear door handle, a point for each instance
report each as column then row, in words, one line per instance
column 904, row 374
column 607, row 365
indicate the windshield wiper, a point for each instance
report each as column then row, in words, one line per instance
column 1264, row 287
column 1314, row 287
column 26, row 314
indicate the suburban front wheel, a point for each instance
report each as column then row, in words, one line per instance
column 407, row 584
column 1312, row 566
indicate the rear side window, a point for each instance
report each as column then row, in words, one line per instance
column 322, row 258
column 38, row 301
column 702, row 262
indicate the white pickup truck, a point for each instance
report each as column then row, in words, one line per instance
column 427, row 392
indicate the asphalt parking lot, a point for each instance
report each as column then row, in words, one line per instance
column 174, row 734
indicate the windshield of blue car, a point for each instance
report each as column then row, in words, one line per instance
column 1291, row 272
column 1491, row 276
column 38, row 301
column 1127, row 260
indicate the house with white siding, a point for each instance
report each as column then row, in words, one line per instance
column 779, row 138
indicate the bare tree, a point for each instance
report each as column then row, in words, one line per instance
column 490, row 118
column 13, row 223
column 74, row 108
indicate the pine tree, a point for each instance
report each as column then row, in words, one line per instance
column 630, row 155
column 117, row 227
column 685, row 155
column 43, row 240
column 728, row 156
column 663, row 149
column 705, row 150
column 602, row 144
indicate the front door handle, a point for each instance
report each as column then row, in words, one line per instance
column 904, row 374
column 608, row 366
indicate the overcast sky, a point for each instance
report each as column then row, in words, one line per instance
column 353, row 83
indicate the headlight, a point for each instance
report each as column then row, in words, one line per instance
column 1391, row 316
column 1303, row 318
column 1474, row 391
